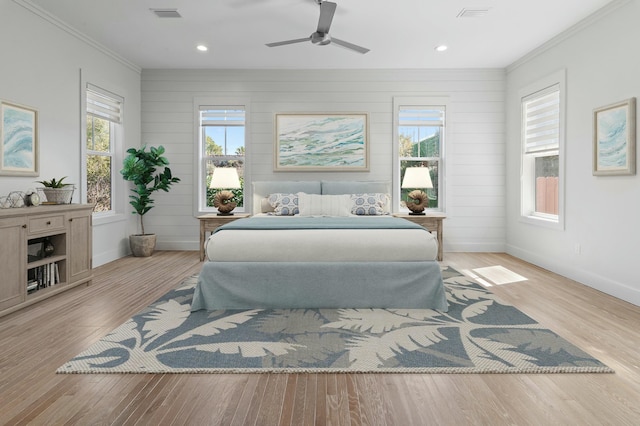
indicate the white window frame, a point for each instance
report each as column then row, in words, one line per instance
column 419, row 102
column 200, row 104
column 116, row 152
column 527, row 163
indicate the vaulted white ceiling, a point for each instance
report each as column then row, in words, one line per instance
column 400, row 33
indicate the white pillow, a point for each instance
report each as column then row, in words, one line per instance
column 324, row 205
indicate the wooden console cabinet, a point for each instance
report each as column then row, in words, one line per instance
column 29, row 272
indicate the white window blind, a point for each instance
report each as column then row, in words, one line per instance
column 421, row 117
column 221, row 117
column 541, row 121
column 103, row 104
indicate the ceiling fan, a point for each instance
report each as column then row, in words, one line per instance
column 321, row 36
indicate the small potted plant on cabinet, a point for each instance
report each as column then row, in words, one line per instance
column 149, row 173
column 56, row 191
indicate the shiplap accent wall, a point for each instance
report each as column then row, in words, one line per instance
column 474, row 151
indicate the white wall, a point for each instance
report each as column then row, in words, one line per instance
column 602, row 66
column 40, row 68
column 474, row 163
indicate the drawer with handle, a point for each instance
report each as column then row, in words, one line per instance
column 45, row 223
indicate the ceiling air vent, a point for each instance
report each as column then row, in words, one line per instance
column 472, row 13
column 166, row 13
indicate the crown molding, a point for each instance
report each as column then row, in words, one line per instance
column 37, row 10
column 568, row 33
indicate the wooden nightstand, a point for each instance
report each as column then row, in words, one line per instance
column 431, row 221
column 210, row 222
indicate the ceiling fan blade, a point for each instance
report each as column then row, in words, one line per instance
column 348, row 45
column 327, row 10
column 282, row 43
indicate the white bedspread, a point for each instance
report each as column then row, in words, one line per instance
column 321, row 245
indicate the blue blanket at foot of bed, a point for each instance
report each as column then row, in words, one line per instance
column 297, row 285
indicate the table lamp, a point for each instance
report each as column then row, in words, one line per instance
column 224, row 178
column 417, row 177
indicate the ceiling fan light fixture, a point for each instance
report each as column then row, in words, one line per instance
column 320, row 38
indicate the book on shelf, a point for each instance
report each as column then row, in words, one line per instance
column 32, row 285
column 43, row 276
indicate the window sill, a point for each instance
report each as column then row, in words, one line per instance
column 106, row 218
column 544, row 222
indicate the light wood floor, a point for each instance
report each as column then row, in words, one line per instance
column 35, row 341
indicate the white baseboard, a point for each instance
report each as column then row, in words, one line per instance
column 475, row 247
column 178, row 245
column 106, row 257
column 588, row 278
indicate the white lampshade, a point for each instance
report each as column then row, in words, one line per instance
column 225, row 178
column 417, row 177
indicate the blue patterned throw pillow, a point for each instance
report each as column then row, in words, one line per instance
column 373, row 204
column 284, row 204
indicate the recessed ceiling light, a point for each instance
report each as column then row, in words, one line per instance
column 472, row 13
column 166, row 13
column 441, row 48
column 202, row 48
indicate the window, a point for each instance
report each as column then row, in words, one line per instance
column 103, row 118
column 420, row 144
column 222, row 144
column 541, row 172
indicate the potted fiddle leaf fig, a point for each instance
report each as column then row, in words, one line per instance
column 149, row 172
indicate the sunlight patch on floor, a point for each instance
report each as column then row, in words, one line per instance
column 477, row 278
column 499, row 275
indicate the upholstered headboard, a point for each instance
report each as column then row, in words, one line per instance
column 263, row 189
column 336, row 187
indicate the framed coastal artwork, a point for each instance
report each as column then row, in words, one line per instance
column 18, row 140
column 614, row 139
column 322, row 142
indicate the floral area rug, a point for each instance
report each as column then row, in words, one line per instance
column 479, row 334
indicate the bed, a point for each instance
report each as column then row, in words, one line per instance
column 305, row 248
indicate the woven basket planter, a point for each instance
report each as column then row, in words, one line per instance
column 56, row 195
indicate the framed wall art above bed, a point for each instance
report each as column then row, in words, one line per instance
column 337, row 142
